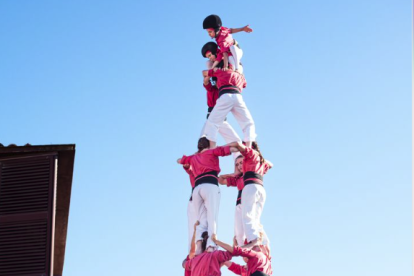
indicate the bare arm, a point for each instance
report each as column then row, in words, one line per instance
column 240, row 147
column 205, row 73
column 193, row 242
column 226, row 246
column 227, row 263
column 222, row 180
column 246, row 29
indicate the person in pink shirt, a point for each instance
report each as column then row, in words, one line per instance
column 206, row 194
column 207, row 263
column 229, row 48
column 226, row 130
column 258, row 263
column 230, row 85
column 253, row 195
column 236, row 180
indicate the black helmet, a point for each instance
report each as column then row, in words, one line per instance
column 212, row 22
column 209, row 46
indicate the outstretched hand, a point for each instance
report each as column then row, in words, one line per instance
column 247, row 29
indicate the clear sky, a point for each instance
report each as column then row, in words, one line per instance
column 328, row 85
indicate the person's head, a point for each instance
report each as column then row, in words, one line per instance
column 255, row 146
column 209, row 51
column 204, row 241
column 212, row 24
column 238, row 163
column 203, row 143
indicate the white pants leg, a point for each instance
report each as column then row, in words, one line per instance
column 192, row 218
column 207, row 196
column 253, row 200
column 244, row 118
column 223, row 106
column 232, row 61
column 234, row 103
column 238, row 226
column 226, row 131
column 237, row 54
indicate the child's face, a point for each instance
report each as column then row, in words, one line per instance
column 211, row 33
column 211, row 57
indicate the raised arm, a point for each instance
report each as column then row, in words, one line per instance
column 193, row 242
column 239, row 146
column 226, row 246
column 246, row 29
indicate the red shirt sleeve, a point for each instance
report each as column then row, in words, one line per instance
column 222, row 151
column 249, row 153
column 232, row 181
column 223, row 256
column 208, row 86
column 238, row 251
column 219, row 56
column 211, row 73
column 185, row 159
column 236, row 269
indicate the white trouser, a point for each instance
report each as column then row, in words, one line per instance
column 230, row 103
column 207, row 196
column 238, row 226
column 227, row 132
column 192, row 218
column 253, row 200
column 235, row 58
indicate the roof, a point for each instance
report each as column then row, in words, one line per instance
column 66, row 157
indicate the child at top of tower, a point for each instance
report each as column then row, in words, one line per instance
column 230, row 50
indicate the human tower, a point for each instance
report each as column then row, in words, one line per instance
column 224, row 82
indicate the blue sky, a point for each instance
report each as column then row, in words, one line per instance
column 329, row 88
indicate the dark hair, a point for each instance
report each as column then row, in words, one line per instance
column 255, row 146
column 204, row 242
column 239, row 156
column 203, row 143
column 212, row 22
column 209, row 47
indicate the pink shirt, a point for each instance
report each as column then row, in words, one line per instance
column 251, row 162
column 212, row 94
column 236, row 181
column 187, row 272
column 224, row 39
column 257, row 261
column 208, row 264
column 190, row 173
column 228, row 77
column 206, row 161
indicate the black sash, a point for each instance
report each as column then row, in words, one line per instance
column 259, row 273
column 239, row 198
column 257, row 178
column 208, row 177
column 231, row 89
